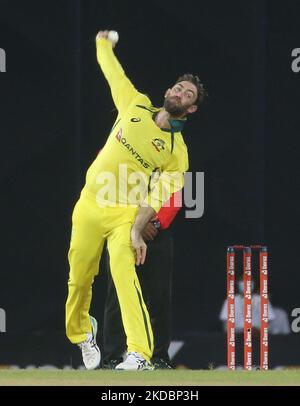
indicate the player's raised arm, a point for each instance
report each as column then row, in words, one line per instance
column 123, row 91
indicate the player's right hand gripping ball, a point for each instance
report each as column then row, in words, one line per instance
column 113, row 37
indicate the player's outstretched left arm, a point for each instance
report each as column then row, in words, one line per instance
column 145, row 214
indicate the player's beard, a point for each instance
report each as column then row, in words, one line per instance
column 173, row 106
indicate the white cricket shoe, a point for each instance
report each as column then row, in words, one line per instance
column 134, row 362
column 90, row 351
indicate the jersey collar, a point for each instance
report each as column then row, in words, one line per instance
column 176, row 124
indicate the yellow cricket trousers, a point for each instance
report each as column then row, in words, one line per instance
column 92, row 225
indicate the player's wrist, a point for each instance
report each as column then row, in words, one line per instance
column 156, row 224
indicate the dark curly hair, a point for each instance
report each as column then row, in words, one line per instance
column 201, row 92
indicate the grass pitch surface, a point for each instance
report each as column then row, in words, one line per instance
column 38, row 377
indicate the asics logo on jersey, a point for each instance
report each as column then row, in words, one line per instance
column 119, row 135
column 135, row 120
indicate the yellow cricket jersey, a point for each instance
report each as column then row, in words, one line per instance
column 140, row 161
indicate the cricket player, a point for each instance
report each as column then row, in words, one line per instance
column 142, row 163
